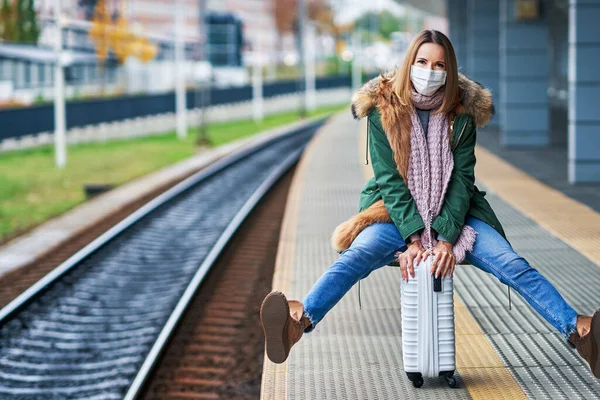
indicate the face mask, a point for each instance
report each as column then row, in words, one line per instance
column 426, row 81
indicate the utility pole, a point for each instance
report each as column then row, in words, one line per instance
column 310, row 96
column 300, row 32
column 373, row 28
column 356, row 62
column 180, row 100
column 257, row 88
column 203, row 87
column 60, row 139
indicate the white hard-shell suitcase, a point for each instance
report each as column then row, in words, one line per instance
column 428, row 326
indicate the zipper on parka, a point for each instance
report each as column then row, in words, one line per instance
column 367, row 147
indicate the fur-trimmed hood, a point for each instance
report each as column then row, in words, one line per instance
column 475, row 99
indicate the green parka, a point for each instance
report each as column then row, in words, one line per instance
column 462, row 197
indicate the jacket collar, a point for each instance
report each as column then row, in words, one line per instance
column 475, row 99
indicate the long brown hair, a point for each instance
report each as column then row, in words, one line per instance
column 402, row 88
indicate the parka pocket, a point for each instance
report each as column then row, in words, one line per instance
column 368, row 196
column 370, row 187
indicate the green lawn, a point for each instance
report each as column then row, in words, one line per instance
column 32, row 189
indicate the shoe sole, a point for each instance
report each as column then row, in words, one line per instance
column 596, row 330
column 274, row 313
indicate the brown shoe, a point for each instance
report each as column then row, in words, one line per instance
column 284, row 323
column 588, row 345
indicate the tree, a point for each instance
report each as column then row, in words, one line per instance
column 7, row 22
column 116, row 36
column 124, row 43
column 18, row 21
column 28, row 28
column 285, row 13
column 389, row 23
column 322, row 15
column 121, row 39
column 386, row 23
column 100, row 30
column 19, row 13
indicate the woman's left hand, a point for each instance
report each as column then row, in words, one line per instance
column 444, row 261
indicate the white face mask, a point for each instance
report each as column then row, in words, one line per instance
column 426, row 81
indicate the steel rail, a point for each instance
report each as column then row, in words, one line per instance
column 171, row 324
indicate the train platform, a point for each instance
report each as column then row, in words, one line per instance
column 500, row 353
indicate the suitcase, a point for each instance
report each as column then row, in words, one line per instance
column 428, row 326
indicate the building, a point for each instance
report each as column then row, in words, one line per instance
column 258, row 21
column 539, row 58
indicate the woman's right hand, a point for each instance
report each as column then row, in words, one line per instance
column 415, row 252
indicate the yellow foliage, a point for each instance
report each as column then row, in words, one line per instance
column 99, row 32
column 121, row 38
column 118, row 37
column 148, row 52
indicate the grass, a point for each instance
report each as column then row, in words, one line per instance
column 32, row 189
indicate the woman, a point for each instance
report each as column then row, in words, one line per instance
column 422, row 200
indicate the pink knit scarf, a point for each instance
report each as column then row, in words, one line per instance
column 430, row 167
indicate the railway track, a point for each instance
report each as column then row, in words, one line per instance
column 218, row 349
column 95, row 326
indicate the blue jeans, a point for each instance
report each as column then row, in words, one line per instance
column 376, row 245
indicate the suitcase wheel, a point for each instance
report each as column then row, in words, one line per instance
column 416, row 378
column 450, row 379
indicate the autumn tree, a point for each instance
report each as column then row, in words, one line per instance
column 121, row 38
column 116, row 36
column 285, row 12
column 286, row 17
column 100, row 30
column 18, row 21
column 7, row 21
column 323, row 16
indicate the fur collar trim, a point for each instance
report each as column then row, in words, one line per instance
column 476, row 100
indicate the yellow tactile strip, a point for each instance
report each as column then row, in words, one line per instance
column 579, row 227
column 274, row 376
column 480, row 367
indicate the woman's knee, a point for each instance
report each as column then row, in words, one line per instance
column 501, row 261
column 370, row 248
column 360, row 259
column 518, row 267
column 513, row 268
column 378, row 239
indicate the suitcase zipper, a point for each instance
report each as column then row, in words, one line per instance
column 428, row 227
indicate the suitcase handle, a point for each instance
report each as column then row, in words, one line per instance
column 437, row 284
